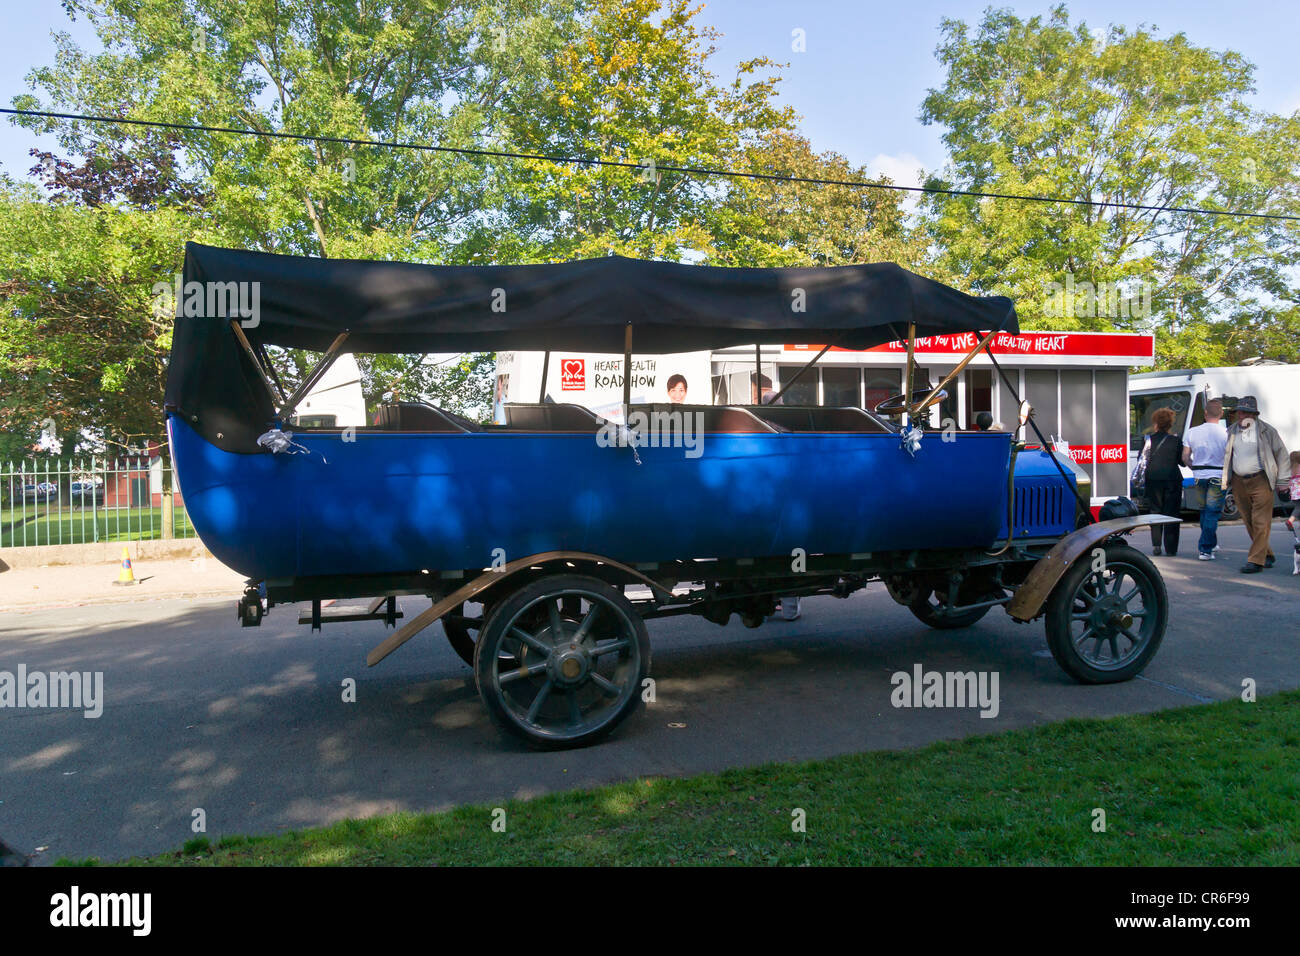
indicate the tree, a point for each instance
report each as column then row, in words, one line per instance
column 768, row 222
column 424, row 71
column 1043, row 106
column 635, row 87
column 82, row 350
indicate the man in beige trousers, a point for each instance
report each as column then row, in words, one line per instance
column 1254, row 463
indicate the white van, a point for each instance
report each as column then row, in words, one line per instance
column 1276, row 388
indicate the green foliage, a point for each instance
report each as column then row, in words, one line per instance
column 464, row 383
column 1034, row 105
column 634, row 87
column 425, row 71
column 197, row 846
column 766, row 222
column 81, row 348
column 597, row 78
column 1041, row 106
column 422, row 71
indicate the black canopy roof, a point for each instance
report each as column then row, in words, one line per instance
column 583, row 306
column 586, row 305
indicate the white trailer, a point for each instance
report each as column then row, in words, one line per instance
column 1276, row 388
column 336, row 401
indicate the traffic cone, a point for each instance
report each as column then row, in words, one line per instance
column 125, row 575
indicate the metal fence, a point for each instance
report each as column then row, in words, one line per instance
column 81, row 501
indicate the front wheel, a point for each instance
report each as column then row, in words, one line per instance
column 1106, row 619
column 561, row 661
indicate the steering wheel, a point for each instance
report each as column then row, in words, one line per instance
column 897, row 404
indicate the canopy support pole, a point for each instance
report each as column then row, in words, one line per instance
column 252, row 357
column 911, row 366
column 758, row 374
column 777, row 397
column 546, row 364
column 627, row 371
column 313, row 376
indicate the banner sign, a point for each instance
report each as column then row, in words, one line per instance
column 1100, row 454
column 1108, row 344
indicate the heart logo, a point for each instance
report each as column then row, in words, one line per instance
column 573, row 374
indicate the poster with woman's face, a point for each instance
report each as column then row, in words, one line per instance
column 677, row 388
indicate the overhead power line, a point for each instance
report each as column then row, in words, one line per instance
column 686, row 170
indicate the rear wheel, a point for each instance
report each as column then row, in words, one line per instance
column 560, row 662
column 1104, row 624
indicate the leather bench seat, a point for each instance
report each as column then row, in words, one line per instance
column 817, row 418
column 420, row 417
column 551, row 417
column 716, row 418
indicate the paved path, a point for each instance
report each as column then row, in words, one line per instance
column 249, row 724
column 27, row 589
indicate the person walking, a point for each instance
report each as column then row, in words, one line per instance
column 1254, row 463
column 1203, row 449
column 1164, row 481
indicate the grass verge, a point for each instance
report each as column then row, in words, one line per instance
column 1216, row 784
column 41, row 525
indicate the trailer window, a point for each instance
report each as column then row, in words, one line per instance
column 841, row 386
column 803, row 391
column 881, row 384
column 979, row 393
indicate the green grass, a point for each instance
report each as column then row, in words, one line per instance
column 1211, row 785
column 41, row 525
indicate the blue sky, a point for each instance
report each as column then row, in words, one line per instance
column 860, row 83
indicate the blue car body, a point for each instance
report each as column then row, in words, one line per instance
column 376, row 502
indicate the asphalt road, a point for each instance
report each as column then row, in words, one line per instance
column 250, row 726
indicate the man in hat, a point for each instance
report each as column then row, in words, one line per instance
column 1254, row 463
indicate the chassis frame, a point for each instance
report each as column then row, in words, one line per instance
column 943, row 588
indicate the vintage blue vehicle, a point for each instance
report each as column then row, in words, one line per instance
column 570, row 531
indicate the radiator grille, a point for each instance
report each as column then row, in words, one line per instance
column 1039, row 508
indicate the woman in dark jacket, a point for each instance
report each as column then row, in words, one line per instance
column 1164, row 480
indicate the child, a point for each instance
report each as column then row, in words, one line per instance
column 1295, row 484
column 1293, row 519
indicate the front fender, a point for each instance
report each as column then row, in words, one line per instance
column 1032, row 595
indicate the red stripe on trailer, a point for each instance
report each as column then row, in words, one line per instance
column 1106, row 344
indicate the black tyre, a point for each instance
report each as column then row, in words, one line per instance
column 1104, row 626
column 561, row 661
column 926, row 609
column 1229, row 512
column 456, row 625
